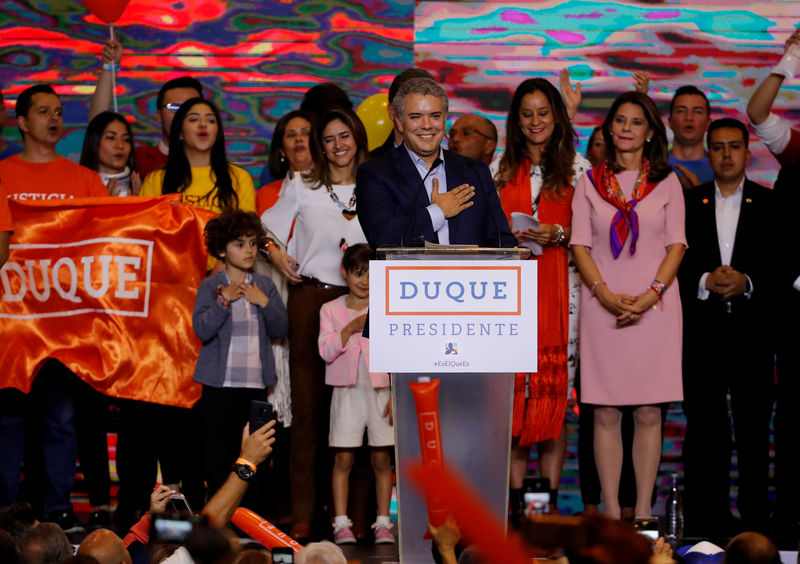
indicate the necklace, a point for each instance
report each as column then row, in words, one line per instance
column 349, row 211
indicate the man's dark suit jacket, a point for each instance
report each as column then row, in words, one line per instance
column 752, row 255
column 387, row 146
column 787, row 202
column 392, row 203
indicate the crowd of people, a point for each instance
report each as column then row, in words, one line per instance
column 658, row 268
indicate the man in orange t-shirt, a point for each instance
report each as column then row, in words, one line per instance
column 39, row 173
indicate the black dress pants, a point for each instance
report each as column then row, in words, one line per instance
column 726, row 360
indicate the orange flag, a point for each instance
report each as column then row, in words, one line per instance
column 106, row 286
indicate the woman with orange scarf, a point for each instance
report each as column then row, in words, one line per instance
column 536, row 177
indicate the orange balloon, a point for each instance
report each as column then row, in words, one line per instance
column 107, row 10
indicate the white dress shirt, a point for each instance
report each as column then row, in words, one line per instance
column 774, row 132
column 727, row 216
column 438, row 219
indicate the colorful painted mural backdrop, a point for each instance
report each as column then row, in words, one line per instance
column 257, row 57
column 482, row 50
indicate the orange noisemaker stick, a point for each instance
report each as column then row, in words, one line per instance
column 426, row 400
column 477, row 523
column 262, row 530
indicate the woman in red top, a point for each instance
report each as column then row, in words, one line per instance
column 536, row 176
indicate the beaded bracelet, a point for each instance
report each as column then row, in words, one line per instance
column 658, row 287
column 221, row 299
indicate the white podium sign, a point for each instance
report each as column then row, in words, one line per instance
column 456, row 316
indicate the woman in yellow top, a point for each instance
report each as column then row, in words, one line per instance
column 197, row 167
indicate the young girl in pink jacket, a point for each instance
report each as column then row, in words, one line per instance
column 361, row 399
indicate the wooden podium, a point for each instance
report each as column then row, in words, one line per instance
column 475, row 398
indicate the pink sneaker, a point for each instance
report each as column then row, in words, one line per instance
column 344, row 535
column 383, row 535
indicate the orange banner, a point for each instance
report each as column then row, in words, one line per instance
column 106, row 286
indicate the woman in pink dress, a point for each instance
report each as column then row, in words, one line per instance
column 628, row 240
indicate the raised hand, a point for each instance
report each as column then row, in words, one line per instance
column 111, row 53
column 571, row 96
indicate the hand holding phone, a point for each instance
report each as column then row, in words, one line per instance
column 261, row 413
column 177, row 503
column 257, row 446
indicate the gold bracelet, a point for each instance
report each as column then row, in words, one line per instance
column 271, row 244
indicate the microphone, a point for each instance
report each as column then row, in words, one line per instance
column 420, row 187
column 471, row 164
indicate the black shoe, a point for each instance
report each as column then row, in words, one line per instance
column 516, row 506
column 100, row 519
column 66, row 520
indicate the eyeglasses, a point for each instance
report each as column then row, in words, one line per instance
column 466, row 132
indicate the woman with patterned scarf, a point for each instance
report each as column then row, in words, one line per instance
column 628, row 240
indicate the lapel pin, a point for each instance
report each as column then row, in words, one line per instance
column 748, row 200
column 705, row 200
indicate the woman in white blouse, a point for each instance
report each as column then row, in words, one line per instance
column 318, row 208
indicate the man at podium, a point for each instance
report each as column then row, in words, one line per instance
column 418, row 192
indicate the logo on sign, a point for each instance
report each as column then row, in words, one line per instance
column 451, row 348
column 110, row 275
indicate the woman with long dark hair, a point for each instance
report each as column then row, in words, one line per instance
column 108, row 149
column 289, row 154
column 628, row 240
column 197, row 166
column 321, row 204
column 536, row 176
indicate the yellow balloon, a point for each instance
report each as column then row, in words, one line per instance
column 375, row 117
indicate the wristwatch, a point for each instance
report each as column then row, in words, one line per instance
column 244, row 471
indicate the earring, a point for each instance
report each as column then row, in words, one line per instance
column 648, row 139
column 283, row 159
